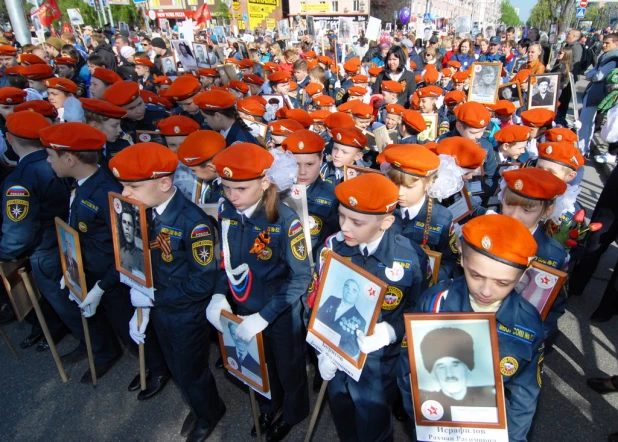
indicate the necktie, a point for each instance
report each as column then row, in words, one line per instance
column 73, row 192
column 366, row 252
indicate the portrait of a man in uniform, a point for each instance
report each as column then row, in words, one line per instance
column 70, row 259
column 485, row 83
column 131, row 253
column 543, row 93
column 239, row 355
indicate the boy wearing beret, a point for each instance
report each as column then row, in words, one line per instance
column 361, row 410
column 511, row 143
column 143, row 69
column 348, row 146
column 539, row 120
column 184, row 271
column 496, row 252
column 411, row 125
column 183, row 91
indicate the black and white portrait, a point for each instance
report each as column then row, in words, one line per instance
column 345, row 29
column 455, row 370
column 184, row 55
column 129, row 236
column 201, row 51
column 284, row 29
column 220, row 35
column 186, row 182
column 543, row 91
column 510, row 92
column 73, row 272
column 273, row 104
column 169, row 66
column 485, row 81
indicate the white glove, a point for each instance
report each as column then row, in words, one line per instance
column 137, row 334
column 327, row 367
column 62, row 284
column 577, row 125
column 383, row 334
column 138, row 299
column 93, row 298
column 213, row 311
column 250, row 326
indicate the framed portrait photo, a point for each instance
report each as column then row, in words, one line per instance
column 350, row 171
column 169, row 66
column 435, row 259
column 188, row 183
column 258, row 130
column 450, row 353
column 484, row 82
column 274, row 102
column 543, row 91
column 201, row 55
column 382, row 137
column 459, row 204
column 131, row 246
column 476, row 183
column 343, row 282
column 283, row 26
column 245, row 360
column 431, row 133
column 520, row 62
column 540, row 285
column 510, row 92
column 71, row 259
column 219, row 34
column 227, row 72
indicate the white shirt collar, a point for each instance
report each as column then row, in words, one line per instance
column 158, row 210
column 372, row 246
column 412, row 211
column 83, row 180
column 248, row 212
column 226, row 131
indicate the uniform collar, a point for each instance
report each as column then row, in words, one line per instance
column 383, row 253
column 413, row 211
column 258, row 217
column 90, row 184
column 250, row 211
column 170, row 209
column 33, row 156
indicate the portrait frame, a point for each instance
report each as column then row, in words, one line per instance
column 189, row 62
column 541, row 274
column 533, row 91
column 261, row 127
column 334, row 271
column 431, row 133
column 459, row 204
column 75, row 282
column 270, row 116
column 166, row 61
column 242, row 46
column 515, row 90
column 283, row 27
column 350, row 171
column 477, row 71
column 382, row 137
column 226, row 318
column 519, row 63
column 219, row 33
column 204, row 47
column 435, row 259
column 416, row 323
column 118, row 203
column 226, row 73
column 344, row 30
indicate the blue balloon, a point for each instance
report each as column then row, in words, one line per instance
column 404, row 15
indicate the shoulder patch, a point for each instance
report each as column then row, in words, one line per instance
column 392, row 298
column 17, row 209
column 17, row 191
column 295, row 228
column 202, row 252
column 299, row 247
column 200, row 231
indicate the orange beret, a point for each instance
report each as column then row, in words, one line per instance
column 102, row 107
column 122, row 93
column 370, row 193
column 326, row 60
column 162, row 79
column 72, row 137
column 310, row 54
column 350, row 67
column 207, row 72
column 346, row 107
column 293, row 86
column 200, row 146
column 521, row 76
column 183, row 88
column 152, row 98
column 15, row 70
column 251, row 107
column 320, row 116
column 467, row 153
column 67, row 61
column 258, row 98
column 446, row 72
column 38, row 72
column 396, row 109
column 177, row 126
column 359, row 79
column 62, row 84
column 304, row 142
column 239, row 86
column 349, row 136
column 374, row 72
column 12, row 95
column 324, row 100
column 279, row 77
column 357, row 91
column 300, row 115
column 242, row 162
column 362, row 110
column 429, row 91
column 280, row 114
column 314, row 88
column 245, row 63
column 454, row 97
column 454, row 64
column 502, row 238
column 42, row 107
column 561, row 134
column 143, row 161
column 504, row 107
column 512, row 134
column 533, row 183
column 415, row 101
column 144, row 62
column 538, row 117
column 26, row 124
column 473, row 114
column 391, row 86
column 414, row 119
column 106, row 75
column 285, row 127
column 253, row 79
column 460, row 77
column 412, row 159
column 431, row 76
column 8, row 50
column 30, row 59
column 339, row 119
column 271, row 67
column 563, row 153
column 215, row 100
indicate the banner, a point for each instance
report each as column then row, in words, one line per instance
column 202, row 14
column 48, row 12
column 75, row 16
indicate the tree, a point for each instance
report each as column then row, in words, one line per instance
column 508, row 16
column 547, row 12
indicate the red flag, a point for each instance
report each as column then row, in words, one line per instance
column 66, row 28
column 202, row 14
column 48, row 12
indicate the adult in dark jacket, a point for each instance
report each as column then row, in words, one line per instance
column 572, row 41
column 161, row 50
column 395, row 69
column 105, row 51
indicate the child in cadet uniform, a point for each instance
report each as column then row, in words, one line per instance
column 521, row 78
column 183, row 91
column 255, row 83
column 308, row 147
column 301, row 74
column 301, row 116
column 452, row 99
column 390, row 116
column 505, row 113
column 411, row 124
column 460, row 81
column 126, row 94
column 361, row 410
column 207, row 77
column 428, row 101
column 184, row 271
column 538, row 120
column 238, row 88
column 9, row 98
column 253, row 110
column 220, row 114
column 324, row 102
column 196, row 152
column 496, row 251
column 390, row 91
column 41, row 107
column 445, row 79
column 279, row 130
column 266, row 266
column 279, row 82
column 347, row 149
column 373, row 74
column 143, row 69
column 419, row 218
column 162, row 83
column 246, row 66
column 107, row 117
column 350, row 69
column 66, row 68
column 327, row 64
column 319, row 117
column 313, row 90
column 530, row 197
column 36, row 75
column 511, row 143
column 100, row 80
column 362, row 114
column 61, row 93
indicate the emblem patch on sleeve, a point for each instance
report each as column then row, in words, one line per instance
column 203, row 252
column 299, row 247
column 17, row 210
column 17, row 191
column 200, row 231
column 295, row 228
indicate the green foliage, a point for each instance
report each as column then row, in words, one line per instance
column 508, row 16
